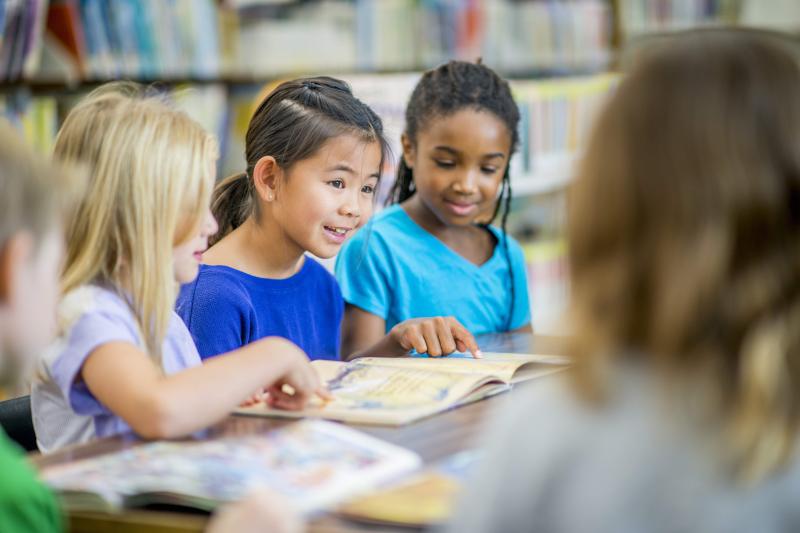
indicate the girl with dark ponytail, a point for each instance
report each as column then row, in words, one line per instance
column 435, row 252
column 314, row 155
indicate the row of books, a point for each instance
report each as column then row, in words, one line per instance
column 37, row 118
column 146, row 39
column 550, row 35
column 21, row 23
column 556, row 117
column 150, row 39
column 638, row 18
column 547, row 273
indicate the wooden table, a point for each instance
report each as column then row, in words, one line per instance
column 433, row 439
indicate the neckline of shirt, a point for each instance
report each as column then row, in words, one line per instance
column 439, row 243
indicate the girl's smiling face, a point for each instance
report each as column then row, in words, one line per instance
column 322, row 200
column 458, row 163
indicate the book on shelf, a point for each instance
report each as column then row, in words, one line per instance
column 424, row 499
column 315, row 465
column 556, row 116
column 547, row 274
column 36, row 117
column 142, row 39
column 21, row 26
column 641, row 17
column 509, row 35
column 394, row 391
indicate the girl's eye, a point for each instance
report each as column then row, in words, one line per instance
column 489, row 170
column 444, row 164
column 338, row 183
column 368, row 189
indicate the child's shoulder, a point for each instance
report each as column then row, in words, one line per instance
column 95, row 308
column 217, row 285
column 321, row 276
column 314, row 268
column 221, row 278
column 92, row 299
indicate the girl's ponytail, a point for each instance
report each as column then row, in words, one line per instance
column 231, row 204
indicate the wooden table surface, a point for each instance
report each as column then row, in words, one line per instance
column 433, row 439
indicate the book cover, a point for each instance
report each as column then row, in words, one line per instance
column 315, row 465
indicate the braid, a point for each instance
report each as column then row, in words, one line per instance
column 505, row 198
column 403, row 188
column 443, row 91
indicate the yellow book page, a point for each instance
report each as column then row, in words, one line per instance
column 382, row 395
column 426, row 500
column 500, row 365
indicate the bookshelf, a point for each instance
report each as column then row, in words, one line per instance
column 216, row 58
column 201, row 48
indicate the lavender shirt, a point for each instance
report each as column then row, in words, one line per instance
column 64, row 410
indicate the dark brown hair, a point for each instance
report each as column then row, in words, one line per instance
column 291, row 124
column 684, row 234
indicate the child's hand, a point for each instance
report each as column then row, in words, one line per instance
column 262, row 510
column 298, row 384
column 258, row 397
column 435, row 336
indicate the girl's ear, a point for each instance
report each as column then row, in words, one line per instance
column 266, row 175
column 409, row 150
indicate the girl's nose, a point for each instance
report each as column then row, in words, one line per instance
column 351, row 207
column 466, row 184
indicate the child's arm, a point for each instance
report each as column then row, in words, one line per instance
column 363, row 335
column 125, row 379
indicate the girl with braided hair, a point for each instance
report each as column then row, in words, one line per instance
column 434, row 252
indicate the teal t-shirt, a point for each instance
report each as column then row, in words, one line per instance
column 395, row 269
column 26, row 505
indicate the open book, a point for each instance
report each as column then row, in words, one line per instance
column 397, row 391
column 314, row 464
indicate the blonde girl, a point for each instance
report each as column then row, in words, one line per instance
column 123, row 359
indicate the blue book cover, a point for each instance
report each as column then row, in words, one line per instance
column 149, row 60
column 112, row 36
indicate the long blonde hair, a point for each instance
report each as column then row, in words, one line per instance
column 684, row 236
column 151, row 172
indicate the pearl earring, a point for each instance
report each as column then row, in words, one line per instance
column 269, row 197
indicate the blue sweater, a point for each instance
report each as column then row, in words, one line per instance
column 225, row 309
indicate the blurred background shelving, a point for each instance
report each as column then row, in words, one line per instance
column 217, row 58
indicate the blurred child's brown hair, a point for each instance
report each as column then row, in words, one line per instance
column 34, row 195
column 684, row 235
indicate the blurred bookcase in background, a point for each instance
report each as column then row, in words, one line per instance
column 217, row 58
